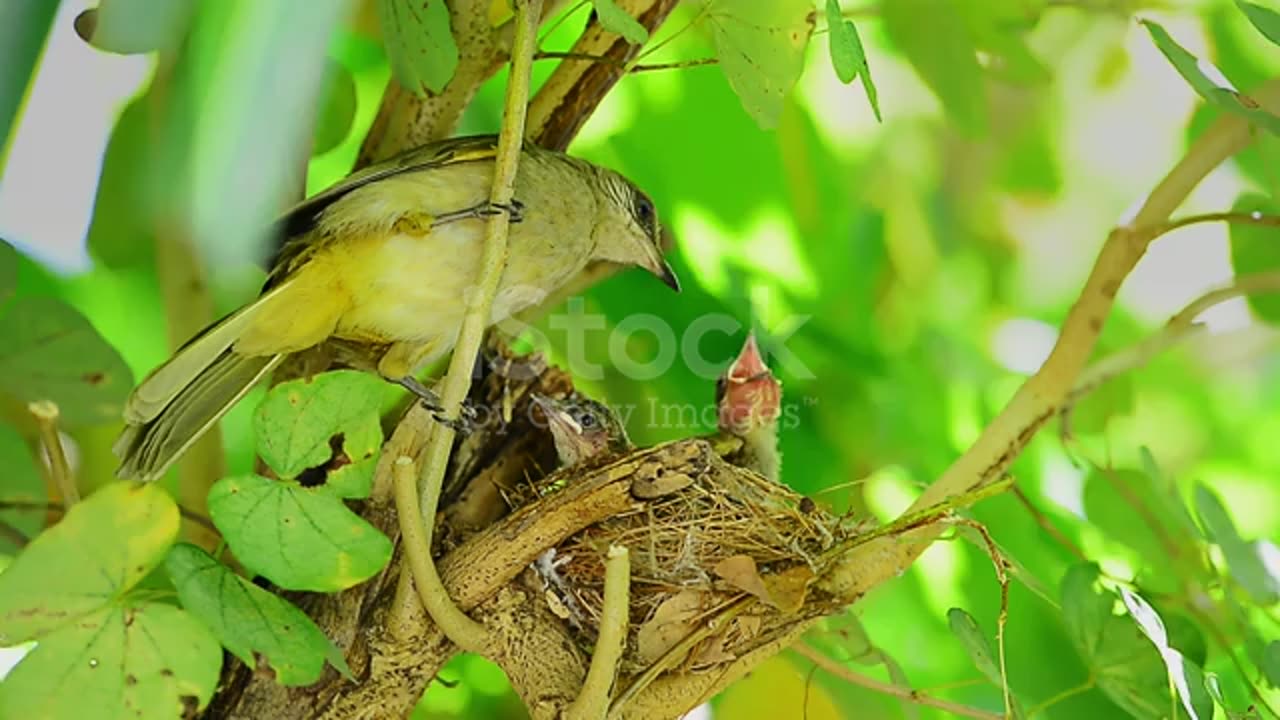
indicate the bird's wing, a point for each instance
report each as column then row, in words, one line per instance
column 299, row 219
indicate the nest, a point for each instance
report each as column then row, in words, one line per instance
column 703, row 536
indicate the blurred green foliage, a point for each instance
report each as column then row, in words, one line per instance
column 904, row 277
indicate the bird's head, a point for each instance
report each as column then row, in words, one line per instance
column 748, row 396
column 583, row 428
column 628, row 231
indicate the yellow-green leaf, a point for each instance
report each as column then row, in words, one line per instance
column 616, row 20
column 298, row 538
column 760, row 45
column 8, row 269
column 100, row 549
column 420, row 43
column 251, row 622
column 122, row 662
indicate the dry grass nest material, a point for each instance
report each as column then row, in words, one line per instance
column 704, row 535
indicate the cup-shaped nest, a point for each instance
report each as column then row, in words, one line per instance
column 722, row 559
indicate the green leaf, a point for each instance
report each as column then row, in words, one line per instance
column 616, row 20
column 420, row 44
column 1150, row 520
column 100, row 549
column 23, row 29
column 847, row 54
column 1126, row 665
column 52, row 353
column 250, row 621
column 979, row 648
column 121, row 233
column 1244, row 559
column 846, row 50
column 975, row 643
column 134, row 26
column 22, row 483
column 1189, row 67
column 1188, row 678
column 337, row 109
column 8, row 270
column 1266, row 20
column 934, row 37
column 760, row 45
column 1256, row 248
column 298, row 538
column 146, row 661
column 330, row 420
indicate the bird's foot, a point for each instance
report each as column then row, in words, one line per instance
column 430, row 400
column 515, row 209
column 464, row 424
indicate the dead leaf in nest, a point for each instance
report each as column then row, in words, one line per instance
column 741, row 572
column 674, row 619
column 659, row 484
column 785, row 591
column 715, row 649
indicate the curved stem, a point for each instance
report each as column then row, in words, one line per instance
column 466, row 632
column 593, row 701
column 462, row 630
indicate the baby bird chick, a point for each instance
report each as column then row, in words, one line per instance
column 584, row 430
column 748, row 400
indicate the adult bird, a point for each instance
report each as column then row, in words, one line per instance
column 379, row 268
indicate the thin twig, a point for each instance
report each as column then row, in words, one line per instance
column 1179, row 327
column 1068, row 693
column 46, row 415
column 906, row 694
column 593, row 701
column 1235, row 218
column 464, row 631
column 1002, row 576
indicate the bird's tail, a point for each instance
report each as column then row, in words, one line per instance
column 174, row 405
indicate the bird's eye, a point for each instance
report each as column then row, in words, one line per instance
column 587, row 420
column 644, row 211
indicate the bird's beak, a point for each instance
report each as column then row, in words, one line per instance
column 658, row 265
column 749, row 365
column 557, row 419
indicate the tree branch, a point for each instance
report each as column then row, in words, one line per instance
column 1042, row 395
